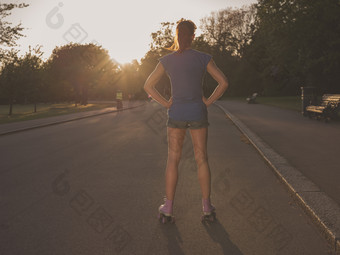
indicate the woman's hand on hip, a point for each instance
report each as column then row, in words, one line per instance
column 205, row 101
column 169, row 103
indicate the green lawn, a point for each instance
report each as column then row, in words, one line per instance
column 25, row 112
column 291, row 102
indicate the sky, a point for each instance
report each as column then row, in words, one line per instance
column 123, row 27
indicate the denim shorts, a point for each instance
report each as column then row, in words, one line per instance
column 187, row 124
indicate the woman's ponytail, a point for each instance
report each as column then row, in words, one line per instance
column 184, row 35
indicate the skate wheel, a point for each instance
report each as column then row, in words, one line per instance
column 166, row 219
column 209, row 218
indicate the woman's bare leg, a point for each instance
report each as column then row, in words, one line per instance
column 199, row 140
column 175, row 143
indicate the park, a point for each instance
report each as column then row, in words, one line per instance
column 83, row 147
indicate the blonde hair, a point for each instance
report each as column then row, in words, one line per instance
column 184, row 35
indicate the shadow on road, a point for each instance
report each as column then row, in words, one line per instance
column 170, row 231
column 219, row 235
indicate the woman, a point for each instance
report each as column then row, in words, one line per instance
column 187, row 108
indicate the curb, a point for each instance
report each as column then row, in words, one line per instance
column 317, row 204
column 63, row 121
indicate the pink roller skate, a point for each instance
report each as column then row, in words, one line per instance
column 209, row 214
column 165, row 212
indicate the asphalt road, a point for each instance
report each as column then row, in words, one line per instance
column 93, row 186
column 309, row 145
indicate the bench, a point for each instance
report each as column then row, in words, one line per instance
column 327, row 110
column 252, row 99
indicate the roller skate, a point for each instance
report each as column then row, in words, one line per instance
column 165, row 212
column 209, row 214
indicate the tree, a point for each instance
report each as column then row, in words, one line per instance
column 8, row 33
column 78, row 70
column 164, row 37
column 131, row 82
column 229, row 30
column 9, row 84
column 30, row 73
column 226, row 35
column 21, row 78
column 299, row 42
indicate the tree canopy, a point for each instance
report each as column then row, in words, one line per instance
column 9, row 33
column 78, row 70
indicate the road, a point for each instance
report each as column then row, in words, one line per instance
column 309, row 145
column 93, row 186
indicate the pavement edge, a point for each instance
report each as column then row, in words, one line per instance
column 324, row 211
column 66, row 120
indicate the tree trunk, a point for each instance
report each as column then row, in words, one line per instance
column 10, row 107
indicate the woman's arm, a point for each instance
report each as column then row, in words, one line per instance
column 222, row 81
column 151, row 82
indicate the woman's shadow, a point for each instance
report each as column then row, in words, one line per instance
column 215, row 230
column 219, row 235
column 174, row 239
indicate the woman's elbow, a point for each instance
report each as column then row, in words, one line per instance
column 224, row 84
column 150, row 83
column 147, row 86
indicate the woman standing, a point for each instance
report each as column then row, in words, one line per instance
column 187, row 108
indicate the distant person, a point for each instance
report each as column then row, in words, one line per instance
column 187, row 108
column 119, row 99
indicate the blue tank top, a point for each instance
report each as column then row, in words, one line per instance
column 186, row 71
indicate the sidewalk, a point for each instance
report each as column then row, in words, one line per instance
column 20, row 126
column 304, row 153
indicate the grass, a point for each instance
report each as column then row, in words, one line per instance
column 287, row 102
column 25, row 112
